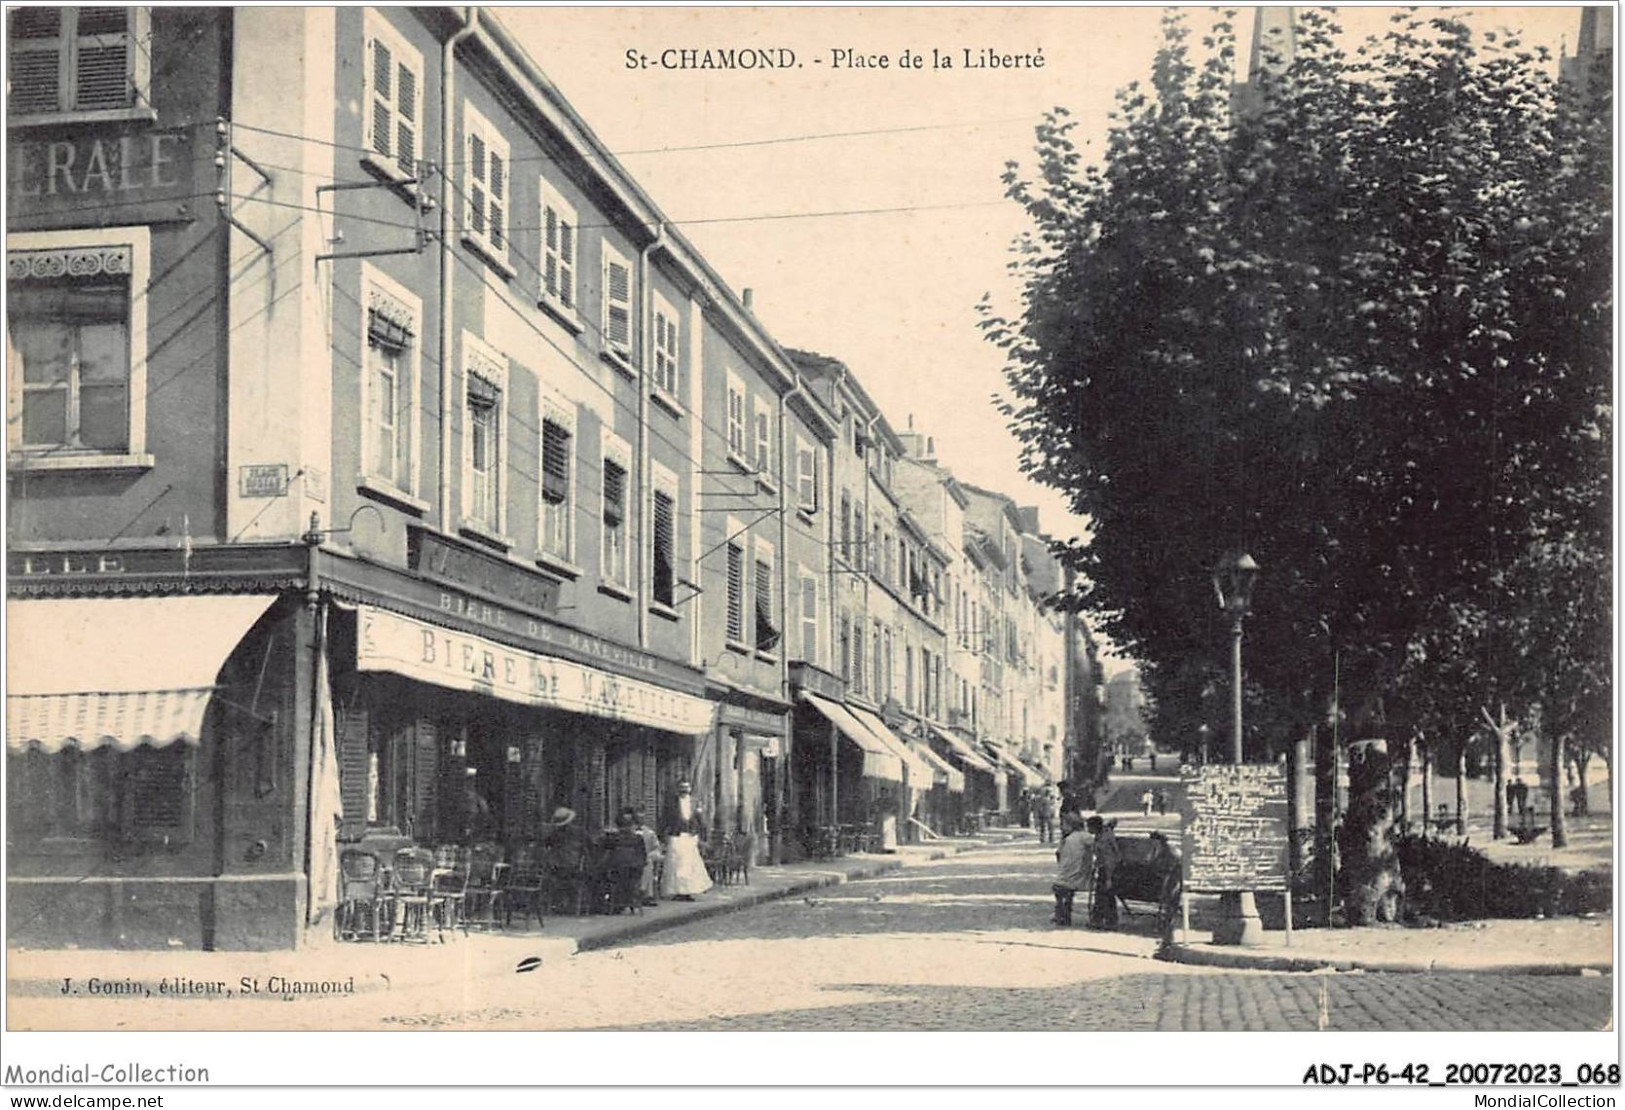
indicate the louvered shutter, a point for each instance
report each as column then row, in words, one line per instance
column 102, row 77
column 555, row 462
column 550, row 250
column 406, row 119
column 352, row 725
column 767, row 632
column 664, row 544
column 614, row 494
column 809, row 619
column 498, row 202
column 617, row 304
column 736, row 592
column 567, row 262
column 36, row 61
column 426, row 776
column 382, row 96
column 476, row 184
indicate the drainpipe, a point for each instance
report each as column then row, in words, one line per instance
column 645, row 492
column 471, row 17
column 871, row 555
column 784, row 597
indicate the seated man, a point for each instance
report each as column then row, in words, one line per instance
column 624, row 857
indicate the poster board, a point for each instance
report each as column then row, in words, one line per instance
column 1235, row 827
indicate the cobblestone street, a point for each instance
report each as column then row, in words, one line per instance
column 965, row 944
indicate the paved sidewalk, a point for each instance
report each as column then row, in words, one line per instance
column 337, row 968
column 1561, row 946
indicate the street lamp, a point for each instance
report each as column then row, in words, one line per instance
column 1233, row 582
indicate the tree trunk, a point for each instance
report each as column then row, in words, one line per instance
column 1426, row 751
column 1369, row 864
column 1499, row 829
column 1461, row 787
column 1406, row 753
column 1554, row 775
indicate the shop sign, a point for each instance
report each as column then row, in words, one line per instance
column 70, row 171
column 435, row 556
column 388, row 641
column 183, row 560
column 262, row 480
column 752, row 720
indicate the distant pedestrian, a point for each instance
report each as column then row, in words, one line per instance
column 1043, row 812
column 1074, row 869
column 1161, row 799
column 1520, row 792
column 1153, row 758
column 1147, row 800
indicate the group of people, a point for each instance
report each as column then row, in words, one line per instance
column 634, row 865
column 1087, row 861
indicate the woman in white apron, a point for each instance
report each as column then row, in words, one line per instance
column 685, row 874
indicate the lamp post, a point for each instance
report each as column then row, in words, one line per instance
column 1205, row 734
column 1233, row 582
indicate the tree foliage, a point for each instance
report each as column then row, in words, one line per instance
column 1363, row 333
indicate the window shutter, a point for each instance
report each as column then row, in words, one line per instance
column 498, row 202
column 550, row 250
column 425, row 775
column 383, row 100
column 35, row 61
column 617, row 304
column 476, row 184
column 159, row 786
column 736, row 592
column 406, row 123
column 555, row 462
column 102, row 64
column 809, row 619
column 664, row 540
column 767, row 634
column 614, row 493
column 352, row 725
column 567, row 263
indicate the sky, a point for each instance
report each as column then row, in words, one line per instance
column 892, row 294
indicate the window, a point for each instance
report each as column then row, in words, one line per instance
column 845, row 646
column 76, row 330
column 558, row 454
column 664, row 583
column 559, row 226
column 877, row 546
column 859, row 559
column 767, row 626
column 878, row 655
column 806, row 476
column 394, row 99
column 665, row 348
column 762, row 454
column 485, row 188
column 846, row 525
column 79, row 60
column 485, row 376
column 146, row 794
column 736, row 417
column 389, row 387
column 736, row 593
column 615, row 496
column 617, row 288
column 809, row 616
column 857, row 656
column 908, row 676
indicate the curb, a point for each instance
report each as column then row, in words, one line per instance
column 560, row 947
column 1245, row 961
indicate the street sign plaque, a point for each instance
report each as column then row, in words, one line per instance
column 1235, row 826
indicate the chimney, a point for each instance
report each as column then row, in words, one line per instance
column 748, row 298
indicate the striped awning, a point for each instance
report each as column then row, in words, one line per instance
column 118, row 720
column 920, row 773
column 878, row 761
column 118, row 672
column 1026, row 774
column 947, row 773
column 964, row 752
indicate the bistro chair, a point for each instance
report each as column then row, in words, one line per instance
column 413, row 895
column 362, row 900
column 524, row 887
column 448, row 887
column 571, row 883
column 484, row 890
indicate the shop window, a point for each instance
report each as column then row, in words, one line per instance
column 558, row 454
column 65, row 62
column 76, row 337
column 663, row 586
column 142, row 795
column 394, row 97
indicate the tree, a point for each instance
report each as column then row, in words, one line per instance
column 1362, row 334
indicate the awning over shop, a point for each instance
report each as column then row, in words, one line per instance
column 920, row 773
column 1026, row 774
column 1038, row 770
column 121, row 671
column 946, row 772
column 878, row 760
column 387, row 641
column 964, row 752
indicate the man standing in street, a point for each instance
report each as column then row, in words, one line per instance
column 1074, row 868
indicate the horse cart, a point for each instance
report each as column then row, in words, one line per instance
column 1149, row 873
